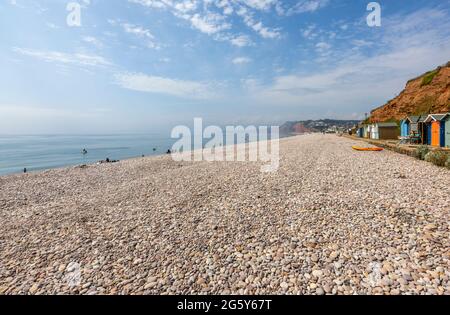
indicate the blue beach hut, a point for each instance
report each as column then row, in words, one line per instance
column 404, row 127
column 360, row 132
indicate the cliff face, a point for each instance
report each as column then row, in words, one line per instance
column 429, row 93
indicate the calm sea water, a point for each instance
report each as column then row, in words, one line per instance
column 45, row 152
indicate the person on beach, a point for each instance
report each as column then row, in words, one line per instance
column 24, row 169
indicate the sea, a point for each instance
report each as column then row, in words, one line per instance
column 41, row 152
column 53, row 151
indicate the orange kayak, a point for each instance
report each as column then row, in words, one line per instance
column 366, row 149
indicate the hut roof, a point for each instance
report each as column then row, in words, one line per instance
column 413, row 119
column 422, row 118
column 436, row 117
column 387, row 124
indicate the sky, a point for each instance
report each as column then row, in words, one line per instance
column 148, row 65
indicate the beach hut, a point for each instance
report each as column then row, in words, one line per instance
column 415, row 127
column 366, row 131
column 447, row 131
column 373, row 131
column 436, row 129
column 404, row 127
column 384, row 131
column 360, row 132
column 422, row 129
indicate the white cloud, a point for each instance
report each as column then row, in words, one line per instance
column 309, row 32
column 137, row 30
column 322, row 47
column 155, row 84
column 52, row 25
column 238, row 40
column 259, row 4
column 79, row 59
column 241, row 60
column 361, row 43
column 307, row 6
column 225, row 5
column 258, row 27
column 92, row 40
column 210, row 23
column 241, row 41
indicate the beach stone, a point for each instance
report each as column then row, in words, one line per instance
column 330, row 220
column 320, row 291
column 317, row 273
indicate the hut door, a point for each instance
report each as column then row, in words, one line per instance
column 447, row 133
column 442, row 134
column 435, row 133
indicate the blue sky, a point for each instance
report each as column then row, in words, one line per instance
column 147, row 65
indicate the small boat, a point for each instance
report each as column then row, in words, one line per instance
column 366, row 149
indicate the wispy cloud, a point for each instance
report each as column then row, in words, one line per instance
column 214, row 17
column 210, row 23
column 93, row 41
column 79, row 59
column 140, row 32
column 257, row 26
column 217, row 21
column 241, row 60
column 161, row 85
column 307, row 6
column 241, row 41
column 137, row 30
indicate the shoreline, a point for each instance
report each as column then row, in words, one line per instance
column 70, row 166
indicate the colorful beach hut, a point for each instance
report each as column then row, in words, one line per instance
column 360, row 131
column 447, row 131
column 422, row 129
column 415, row 127
column 404, row 127
column 366, row 131
column 436, row 124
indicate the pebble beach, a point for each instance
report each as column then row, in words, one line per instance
column 331, row 220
